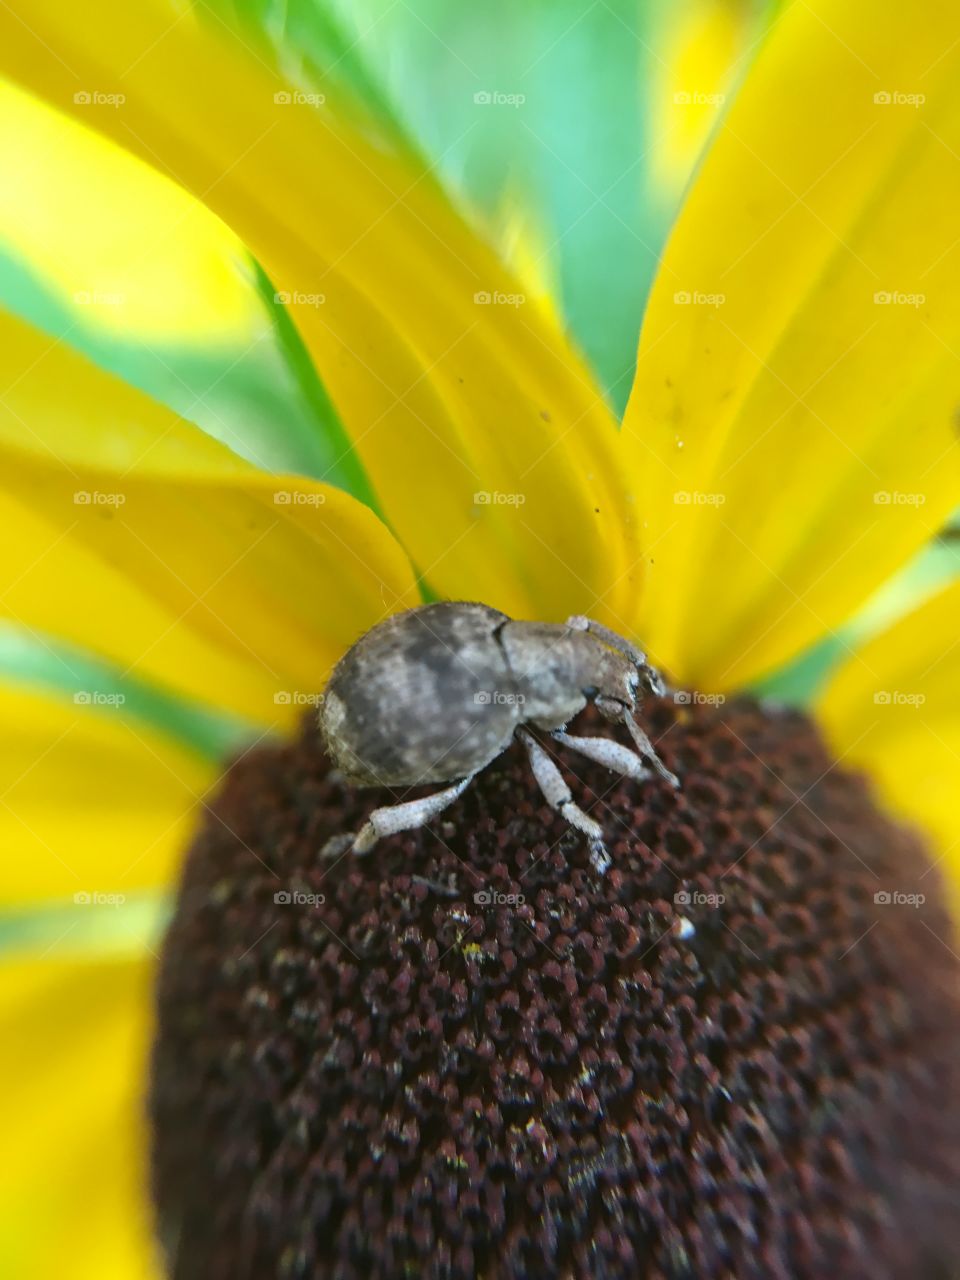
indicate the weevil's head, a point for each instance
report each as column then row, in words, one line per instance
column 622, row 678
column 557, row 668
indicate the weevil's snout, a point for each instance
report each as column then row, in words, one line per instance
column 619, row 689
column 612, row 709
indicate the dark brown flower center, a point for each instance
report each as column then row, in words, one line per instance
column 467, row 1054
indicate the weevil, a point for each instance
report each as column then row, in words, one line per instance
column 436, row 693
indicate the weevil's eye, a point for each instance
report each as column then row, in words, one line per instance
column 655, row 682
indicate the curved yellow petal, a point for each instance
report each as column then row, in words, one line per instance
column 130, row 532
column 793, row 418
column 700, row 47
column 73, row 1181
column 894, row 710
column 487, row 443
column 59, row 405
column 58, row 586
column 91, row 802
column 92, row 251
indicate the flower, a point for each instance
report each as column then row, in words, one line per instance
column 789, row 445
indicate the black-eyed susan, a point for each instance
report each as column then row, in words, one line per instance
column 733, row 1054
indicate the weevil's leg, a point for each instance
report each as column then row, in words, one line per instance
column 651, row 675
column 617, row 711
column 336, row 846
column 395, row 817
column 613, row 756
column 557, row 794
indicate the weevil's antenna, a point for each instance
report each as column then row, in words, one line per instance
column 652, row 677
column 646, row 748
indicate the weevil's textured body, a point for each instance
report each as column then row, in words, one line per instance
column 438, row 692
column 412, row 701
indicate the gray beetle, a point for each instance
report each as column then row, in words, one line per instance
column 438, row 692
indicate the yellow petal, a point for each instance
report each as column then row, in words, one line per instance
column 73, row 1178
column 131, row 533
column 448, row 389
column 700, row 46
column 91, row 802
column 81, row 212
column 57, row 404
column 792, row 421
column 893, row 709
column 59, row 587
